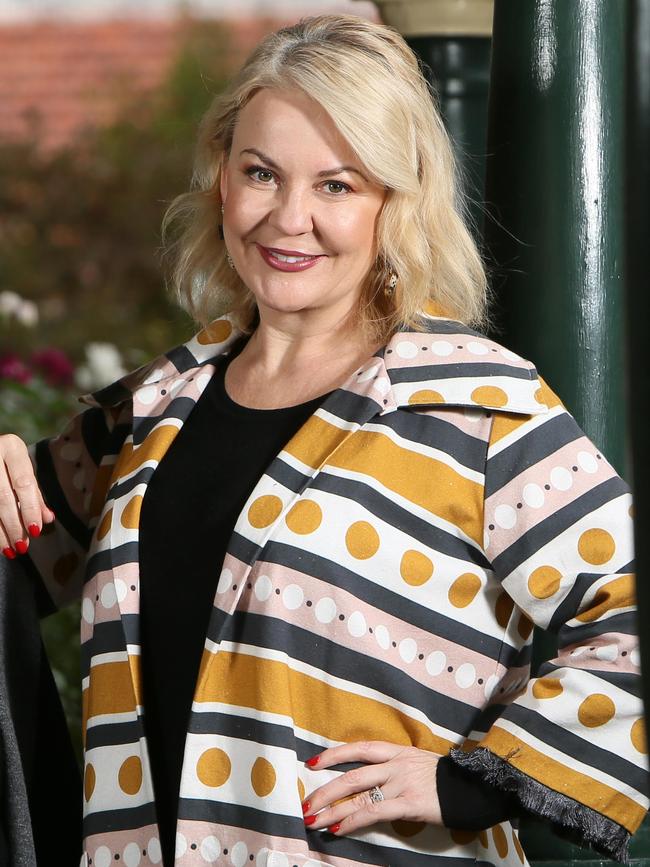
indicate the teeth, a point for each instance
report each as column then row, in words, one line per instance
column 291, row 259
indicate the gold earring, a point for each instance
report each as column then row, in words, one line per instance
column 229, row 260
column 390, row 284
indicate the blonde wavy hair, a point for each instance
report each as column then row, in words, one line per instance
column 370, row 83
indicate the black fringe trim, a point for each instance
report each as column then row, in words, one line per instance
column 603, row 834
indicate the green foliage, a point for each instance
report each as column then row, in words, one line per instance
column 80, row 236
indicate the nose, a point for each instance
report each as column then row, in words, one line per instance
column 291, row 213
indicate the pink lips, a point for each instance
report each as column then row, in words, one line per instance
column 267, row 254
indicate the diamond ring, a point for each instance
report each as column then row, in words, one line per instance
column 376, row 795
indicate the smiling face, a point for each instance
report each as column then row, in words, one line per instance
column 299, row 208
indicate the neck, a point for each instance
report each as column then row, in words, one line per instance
column 284, row 343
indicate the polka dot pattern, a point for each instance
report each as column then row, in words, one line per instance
column 130, row 518
column 90, row 779
column 638, row 736
column 596, row 710
column 596, row 547
column 415, row 568
column 426, row 395
column 130, row 775
column 490, row 395
column 544, row 582
column 216, row 332
column 213, row 767
column 264, row 511
column 547, row 687
column 304, row 517
column 362, row 540
column 464, row 589
column 263, row 777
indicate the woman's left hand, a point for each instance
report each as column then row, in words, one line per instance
column 406, row 777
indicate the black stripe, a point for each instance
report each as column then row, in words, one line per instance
column 109, row 637
column 441, row 326
column 95, row 433
column 437, row 433
column 179, row 408
column 537, row 444
column 112, row 734
column 286, row 475
column 355, row 668
column 573, row 746
column 550, row 528
column 351, row 407
column 570, row 605
column 459, row 369
column 110, row 558
column 387, row 510
column 182, row 358
column 623, row 680
column 54, row 496
column 106, row 821
column 385, row 600
column 625, row 623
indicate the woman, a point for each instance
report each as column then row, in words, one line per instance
column 363, row 507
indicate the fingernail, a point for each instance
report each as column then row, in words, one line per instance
column 34, row 531
column 21, row 546
column 306, row 807
column 9, row 553
column 313, row 761
column 309, row 820
column 335, row 828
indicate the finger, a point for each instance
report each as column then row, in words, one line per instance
column 355, row 782
column 387, row 811
column 47, row 515
column 368, row 752
column 5, row 545
column 23, row 483
column 13, row 529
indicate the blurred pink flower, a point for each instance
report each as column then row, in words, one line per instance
column 12, row 367
column 54, row 365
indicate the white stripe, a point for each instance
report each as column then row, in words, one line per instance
column 524, row 429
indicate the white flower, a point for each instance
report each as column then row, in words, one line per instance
column 9, row 302
column 103, row 366
column 27, row 313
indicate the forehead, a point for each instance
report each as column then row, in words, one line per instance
column 288, row 125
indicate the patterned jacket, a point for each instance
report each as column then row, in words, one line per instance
column 381, row 582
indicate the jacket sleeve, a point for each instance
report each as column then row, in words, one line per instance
column 73, row 471
column 570, row 743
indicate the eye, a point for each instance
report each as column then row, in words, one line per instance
column 259, row 173
column 337, row 187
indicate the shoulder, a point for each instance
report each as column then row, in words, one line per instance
column 444, row 362
column 178, row 363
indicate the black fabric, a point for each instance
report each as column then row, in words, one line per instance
column 468, row 803
column 190, row 508
column 40, row 783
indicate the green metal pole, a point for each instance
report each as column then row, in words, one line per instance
column 554, row 199
column 553, row 230
column 458, row 68
column 637, row 231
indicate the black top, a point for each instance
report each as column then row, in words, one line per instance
column 189, row 511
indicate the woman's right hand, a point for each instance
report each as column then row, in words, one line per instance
column 22, row 509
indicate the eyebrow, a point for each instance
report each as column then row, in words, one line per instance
column 337, row 170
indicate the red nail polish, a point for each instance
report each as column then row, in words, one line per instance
column 335, row 828
column 306, row 807
column 309, row 820
column 9, row 553
column 313, row 761
column 21, row 546
column 34, row 531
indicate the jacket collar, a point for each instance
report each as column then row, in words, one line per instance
column 443, row 363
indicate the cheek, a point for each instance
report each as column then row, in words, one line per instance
column 356, row 230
